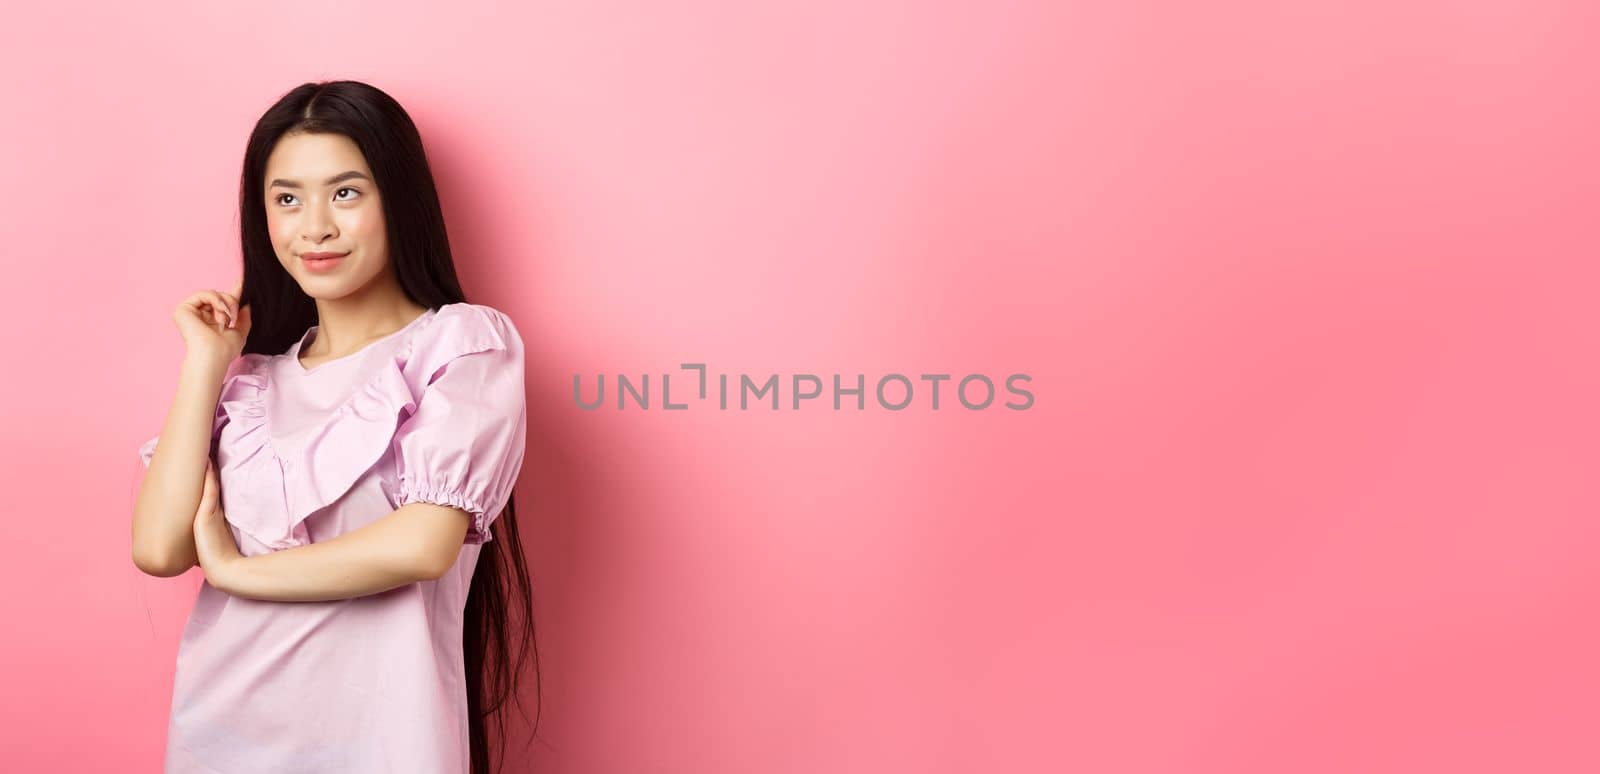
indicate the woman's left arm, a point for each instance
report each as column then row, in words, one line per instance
column 416, row 542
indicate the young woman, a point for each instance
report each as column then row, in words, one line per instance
column 342, row 447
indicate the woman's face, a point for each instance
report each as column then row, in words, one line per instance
column 321, row 199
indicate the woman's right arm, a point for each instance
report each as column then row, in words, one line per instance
column 214, row 328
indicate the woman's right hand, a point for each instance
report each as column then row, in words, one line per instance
column 213, row 325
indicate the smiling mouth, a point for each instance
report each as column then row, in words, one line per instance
column 322, row 262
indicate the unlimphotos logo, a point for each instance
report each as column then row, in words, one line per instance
column 894, row 392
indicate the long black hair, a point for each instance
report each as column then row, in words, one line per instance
column 280, row 313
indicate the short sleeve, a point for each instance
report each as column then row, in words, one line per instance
column 240, row 394
column 147, row 451
column 463, row 445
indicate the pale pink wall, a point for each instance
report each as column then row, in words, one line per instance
column 1306, row 291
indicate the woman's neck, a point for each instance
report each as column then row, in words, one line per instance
column 345, row 325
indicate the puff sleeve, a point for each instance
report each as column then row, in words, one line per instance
column 240, row 396
column 147, row 450
column 463, row 445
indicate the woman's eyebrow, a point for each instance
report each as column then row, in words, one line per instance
column 339, row 178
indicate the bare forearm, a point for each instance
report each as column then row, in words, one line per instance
column 375, row 558
column 163, row 514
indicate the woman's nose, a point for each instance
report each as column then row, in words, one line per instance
column 318, row 225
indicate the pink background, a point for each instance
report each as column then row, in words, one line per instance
column 1307, row 292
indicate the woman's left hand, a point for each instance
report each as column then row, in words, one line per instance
column 213, row 540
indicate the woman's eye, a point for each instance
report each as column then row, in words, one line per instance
column 280, row 197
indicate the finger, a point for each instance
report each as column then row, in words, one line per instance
column 211, row 307
column 220, row 304
column 196, row 303
column 208, row 491
column 238, row 287
column 202, row 304
column 233, row 303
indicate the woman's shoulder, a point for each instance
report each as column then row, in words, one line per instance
column 457, row 330
column 467, row 324
column 463, row 310
column 248, row 364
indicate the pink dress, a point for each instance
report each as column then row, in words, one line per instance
column 434, row 412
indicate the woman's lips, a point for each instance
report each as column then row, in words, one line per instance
column 320, row 262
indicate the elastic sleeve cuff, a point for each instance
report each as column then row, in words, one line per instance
column 422, row 493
